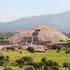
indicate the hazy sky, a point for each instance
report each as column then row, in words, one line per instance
column 13, row 9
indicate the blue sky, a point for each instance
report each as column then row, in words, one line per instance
column 13, row 9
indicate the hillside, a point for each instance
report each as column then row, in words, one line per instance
column 61, row 21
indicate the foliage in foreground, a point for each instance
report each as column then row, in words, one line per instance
column 42, row 65
column 23, row 59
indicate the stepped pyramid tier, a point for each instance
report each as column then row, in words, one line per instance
column 38, row 35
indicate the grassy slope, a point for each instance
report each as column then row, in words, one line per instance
column 52, row 55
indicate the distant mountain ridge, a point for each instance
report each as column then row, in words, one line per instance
column 60, row 21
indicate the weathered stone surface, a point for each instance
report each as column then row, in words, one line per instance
column 39, row 32
column 38, row 35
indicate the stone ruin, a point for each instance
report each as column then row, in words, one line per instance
column 39, row 37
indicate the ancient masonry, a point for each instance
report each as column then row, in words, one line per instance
column 40, row 37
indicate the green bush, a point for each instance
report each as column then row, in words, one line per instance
column 2, row 60
column 20, row 61
column 29, row 68
column 43, row 60
column 7, row 58
column 51, row 63
column 36, row 65
column 20, row 52
column 1, row 57
column 27, row 59
column 54, row 68
column 65, row 64
column 67, row 51
column 1, row 38
column 46, row 68
column 7, row 68
column 56, row 46
column 24, row 61
column 30, row 49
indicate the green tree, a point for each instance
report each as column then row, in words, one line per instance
column 20, row 52
column 7, row 68
column 57, row 47
column 29, row 68
column 46, row 68
column 1, row 38
column 51, row 63
column 2, row 60
column 67, row 51
column 30, row 49
column 43, row 60
column 24, row 61
column 65, row 64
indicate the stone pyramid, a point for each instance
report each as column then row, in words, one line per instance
column 38, row 35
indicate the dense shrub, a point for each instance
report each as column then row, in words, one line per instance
column 7, row 68
column 54, row 68
column 46, row 68
column 30, row 49
column 7, row 58
column 26, row 58
column 57, row 51
column 2, row 60
column 29, row 68
column 1, row 63
column 20, row 61
column 51, row 63
column 20, row 52
column 68, row 44
column 67, row 51
column 1, row 57
column 36, row 65
column 24, row 61
column 56, row 46
column 43, row 60
column 1, row 38
column 65, row 64
column 10, row 48
column 43, row 65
